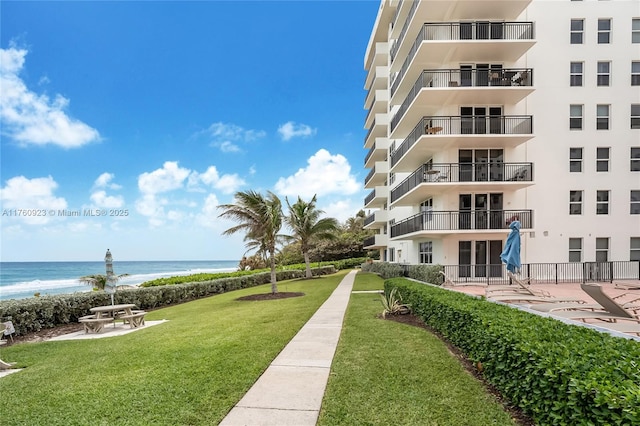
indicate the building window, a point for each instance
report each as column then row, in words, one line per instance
column 576, row 74
column 604, row 73
column 392, row 255
column 602, row 249
column 392, row 178
column 575, row 160
column 635, row 116
column 426, row 252
column 635, row 30
column 602, row 202
column 604, row 31
column 575, row 117
column 634, row 208
column 634, row 248
column 635, row 73
column 602, row 117
column 575, row 202
column 577, row 30
column 635, row 160
column 575, row 249
column 602, row 159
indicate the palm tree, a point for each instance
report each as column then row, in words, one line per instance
column 304, row 220
column 260, row 218
column 98, row 281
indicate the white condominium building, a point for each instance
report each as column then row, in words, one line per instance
column 482, row 111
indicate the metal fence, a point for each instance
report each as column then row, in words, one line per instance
column 554, row 273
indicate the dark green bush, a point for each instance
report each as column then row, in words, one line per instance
column 556, row 372
column 385, row 269
column 36, row 313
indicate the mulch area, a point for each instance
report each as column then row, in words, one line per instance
column 515, row 412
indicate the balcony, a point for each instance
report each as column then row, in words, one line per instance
column 377, row 153
column 376, row 220
column 377, row 175
column 435, row 88
column 376, row 241
column 480, row 41
column 436, row 133
column 376, row 198
column 432, row 179
column 378, row 104
column 430, row 223
column 498, row 85
column 378, row 129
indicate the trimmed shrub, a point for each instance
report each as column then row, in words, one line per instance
column 555, row 372
column 385, row 269
column 37, row 313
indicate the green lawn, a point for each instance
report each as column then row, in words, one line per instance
column 194, row 368
column 390, row 373
column 190, row 370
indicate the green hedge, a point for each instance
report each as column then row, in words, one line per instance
column 555, row 372
column 426, row 273
column 36, row 313
column 338, row 265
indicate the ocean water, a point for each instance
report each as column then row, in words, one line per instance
column 19, row 280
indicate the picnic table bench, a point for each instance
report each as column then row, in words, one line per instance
column 135, row 318
column 93, row 324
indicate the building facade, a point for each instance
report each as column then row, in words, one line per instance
column 483, row 111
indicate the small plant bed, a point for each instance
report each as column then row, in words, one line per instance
column 271, row 296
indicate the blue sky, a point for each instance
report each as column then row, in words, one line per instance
column 157, row 112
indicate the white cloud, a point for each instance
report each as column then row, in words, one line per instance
column 291, row 130
column 168, row 178
column 104, row 181
column 228, row 184
column 324, row 174
column 31, row 195
column 342, row 209
column 227, row 146
column 208, row 216
column 153, row 208
column 101, row 199
column 227, row 136
column 33, row 119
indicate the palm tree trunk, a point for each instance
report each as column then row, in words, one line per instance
column 308, row 265
column 272, row 262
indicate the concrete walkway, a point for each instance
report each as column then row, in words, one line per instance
column 290, row 391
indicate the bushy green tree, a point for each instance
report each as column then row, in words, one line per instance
column 307, row 226
column 260, row 218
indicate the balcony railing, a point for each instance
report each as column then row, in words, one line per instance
column 405, row 27
column 479, row 31
column 465, row 125
column 369, row 219
column 464, row 78
column 464, row 172
column 538, row 273
column 448, row 31
column 369, row 241
column 461, row 220
column 369, row 198
column 502, row 77
column 370, row 175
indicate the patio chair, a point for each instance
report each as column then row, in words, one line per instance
column 6, row 365
column 630, row 305
column 521, row 286
column 610, row 310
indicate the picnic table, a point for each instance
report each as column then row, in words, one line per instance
column 102, row 315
